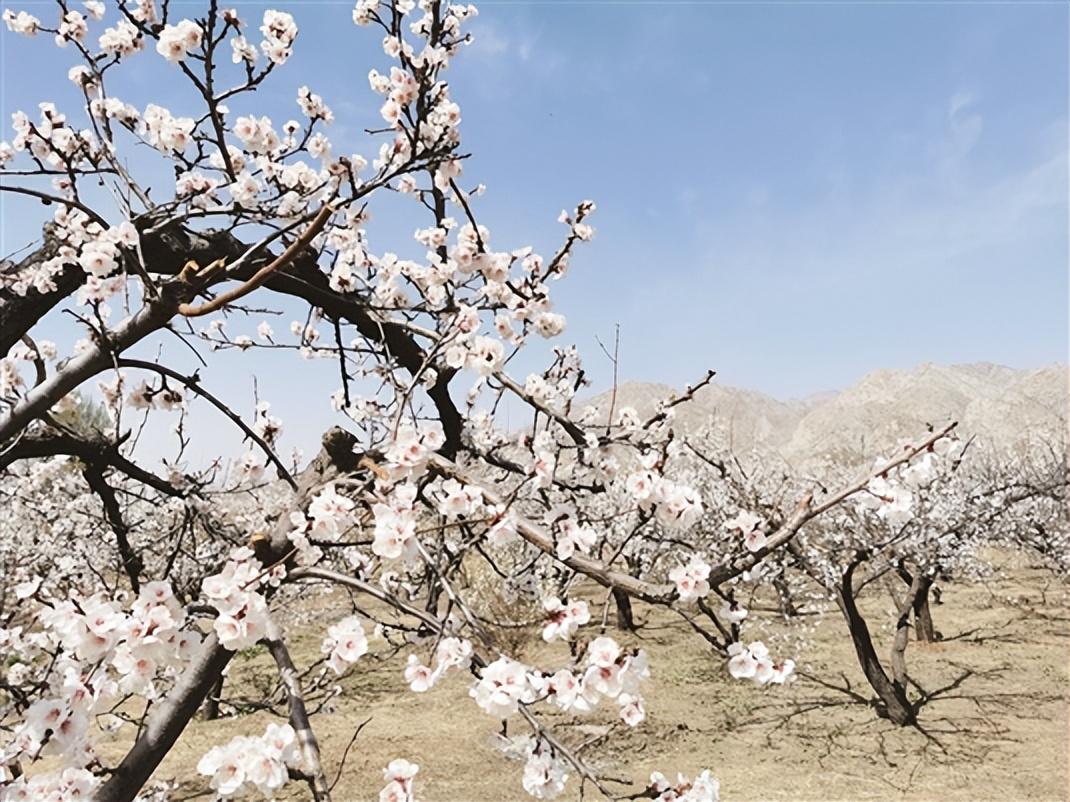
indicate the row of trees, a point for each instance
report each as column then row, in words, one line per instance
column 129, row 589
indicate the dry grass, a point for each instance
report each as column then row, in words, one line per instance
column 996, row 731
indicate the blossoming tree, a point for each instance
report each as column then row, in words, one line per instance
column 130, row 588
column 936, row 518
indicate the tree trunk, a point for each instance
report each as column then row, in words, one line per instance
column 923, row 619
column 211, row 704
column 433, row 594
column 787, row 606
column 169, row 717
column 166, row 723
column 892, row 694
column 625, row 621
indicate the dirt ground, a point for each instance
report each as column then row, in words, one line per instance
column 994, row 729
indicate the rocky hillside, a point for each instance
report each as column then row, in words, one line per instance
column 998, row 404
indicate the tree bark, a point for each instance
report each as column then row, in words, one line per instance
column 923, row 619
column 211, row 704
column 166, row 723
column 20, row 313
column 902, row 636
column 170, row 717
column 306, row 739
column 891, row 694
column 623, row 603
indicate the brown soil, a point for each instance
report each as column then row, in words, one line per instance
column 995, row 728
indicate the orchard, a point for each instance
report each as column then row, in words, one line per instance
column 431, row 528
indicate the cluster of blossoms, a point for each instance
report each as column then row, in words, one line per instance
column 545, row 774
column 243, row 613
column 890, row 494
column 570, row 535
column 87, row 243
column 251, row 467
column 280, row 31
column 458, row 500
column 11, row 379
column 345, row 644
column 690, row 579
column 257, row 135
column 544, row 463
column 733, row 612
column 52, row 786
column 484, row 355
column 503, row 686
column 751, row 527
column 99, row 256
column 165, row 132
column 450, row 653
column 21, row 22
column 395, row 524
column 144, row 396
column 410, row 449
column 124, row 39
column 133, row 649
column 73, row 228
column 703, row 788
column 675, row 505
column 753, row 663
column 608, row 671
column 563, row 618
column 329, row 515
column 176, row 41
column 247, row 763
column 266, row 425
column 892, row 501
column 399, row 783
column 50, row 141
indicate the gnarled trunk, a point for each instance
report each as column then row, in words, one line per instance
column 892, row 693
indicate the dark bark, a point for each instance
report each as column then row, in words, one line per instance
column 623, row 603
column 167, row 251
column 892, row 694
column 19, row 313
column 153, row 316
column 170, row 717
column 211, row 704
column 131, row 561
column 902, row 636
column 303, row 279
column 923, row 619
column 94, row 451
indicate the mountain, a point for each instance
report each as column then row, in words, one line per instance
column 998, row 404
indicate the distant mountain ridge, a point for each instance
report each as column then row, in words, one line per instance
column 998, row 404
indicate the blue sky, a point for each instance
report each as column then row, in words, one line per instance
column 794, row 195
column 791, row 194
